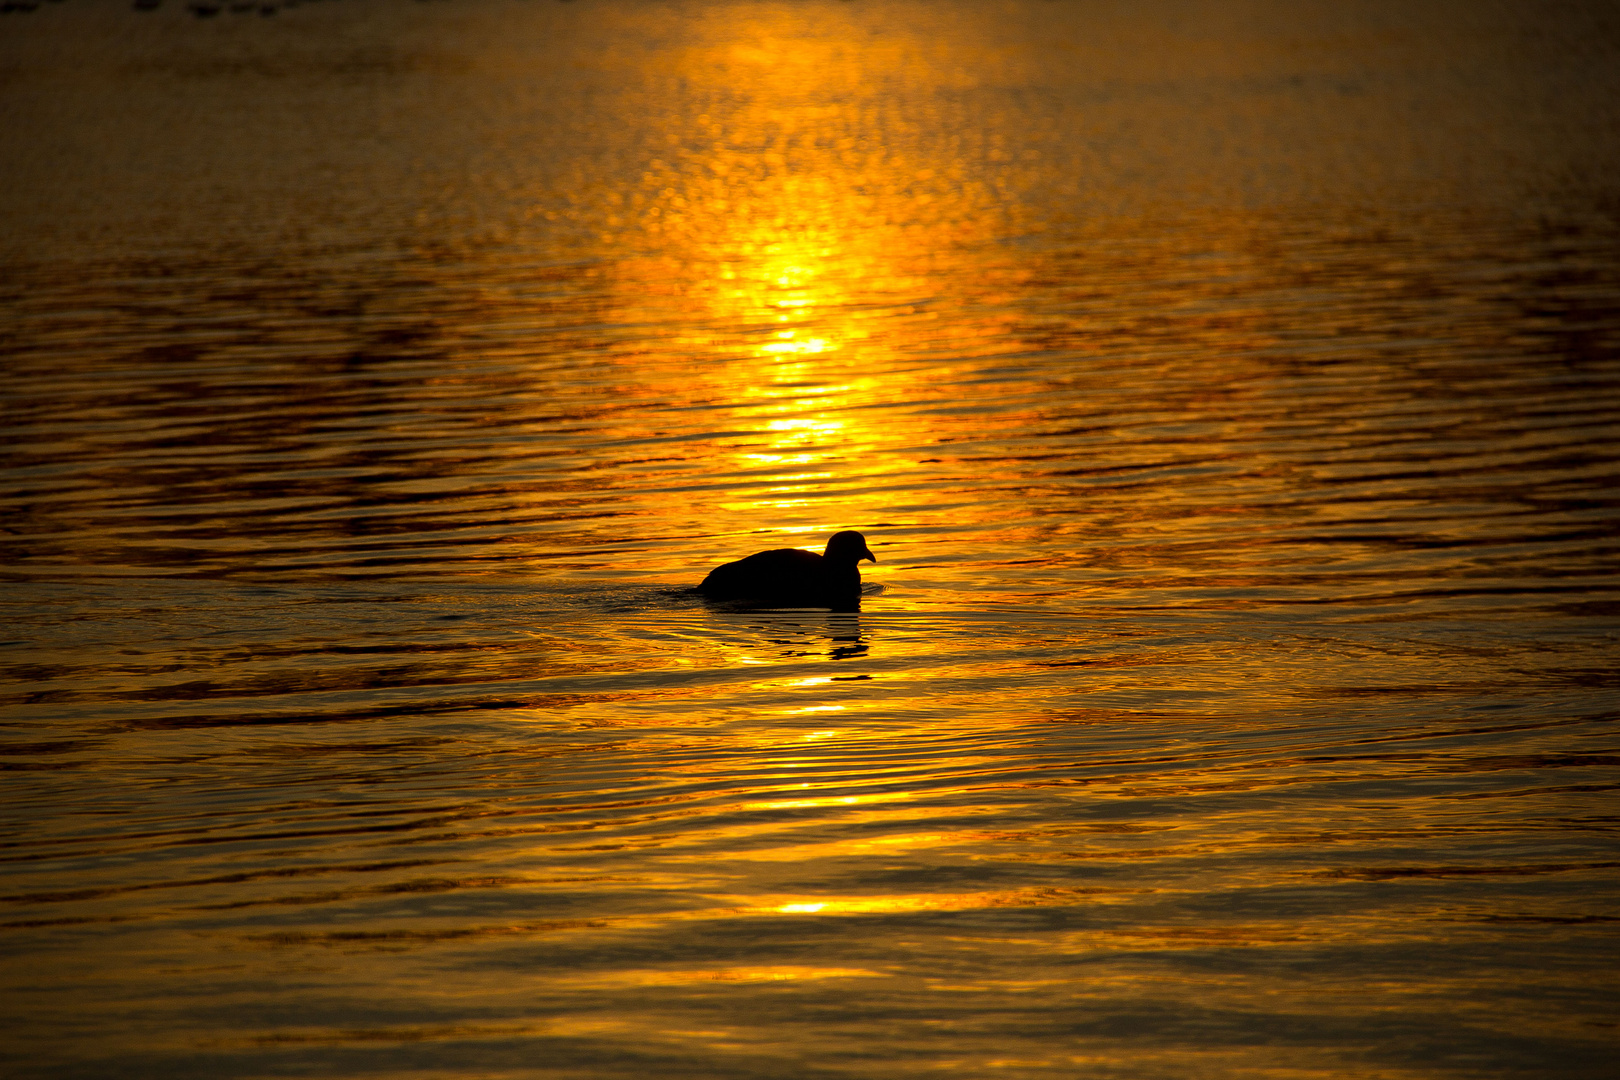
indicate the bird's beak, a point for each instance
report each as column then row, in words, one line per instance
column 868, row 554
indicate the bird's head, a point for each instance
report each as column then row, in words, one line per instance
column 849, row 545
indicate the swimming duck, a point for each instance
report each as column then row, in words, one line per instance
column 790, row 577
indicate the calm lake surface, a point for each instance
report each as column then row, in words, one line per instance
column 1229, row 391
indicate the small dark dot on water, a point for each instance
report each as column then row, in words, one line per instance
column 849, row 678
column 449, row 618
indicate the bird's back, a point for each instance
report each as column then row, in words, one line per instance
column 783, row 572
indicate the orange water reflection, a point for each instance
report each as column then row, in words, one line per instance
column 794, row 227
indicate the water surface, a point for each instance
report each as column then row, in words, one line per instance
column 1228, row 391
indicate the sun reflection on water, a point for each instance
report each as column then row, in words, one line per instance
column 785, row 245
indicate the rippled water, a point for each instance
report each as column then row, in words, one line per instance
column 1229, row 392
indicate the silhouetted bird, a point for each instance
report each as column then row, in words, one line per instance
column 789, row 577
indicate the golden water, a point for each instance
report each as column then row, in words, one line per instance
column 1229, row 392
